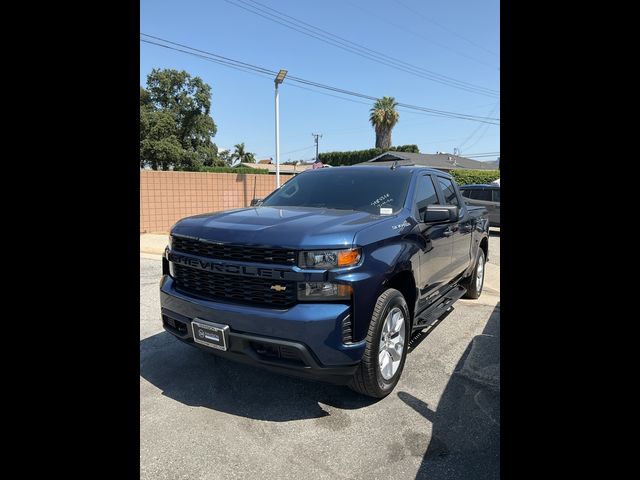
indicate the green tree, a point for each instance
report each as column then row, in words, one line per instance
column 175, row 126
column 225, row 158
column 241, row 154
column 383, row 118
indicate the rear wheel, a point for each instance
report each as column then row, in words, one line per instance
column 386, row 346
column 475, row 282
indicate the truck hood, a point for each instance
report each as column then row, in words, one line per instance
column 287, row 227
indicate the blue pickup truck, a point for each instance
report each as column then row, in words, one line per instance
column 329, row 276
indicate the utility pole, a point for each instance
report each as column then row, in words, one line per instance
column 315, row 137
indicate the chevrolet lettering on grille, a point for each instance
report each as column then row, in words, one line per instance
column 229, row 268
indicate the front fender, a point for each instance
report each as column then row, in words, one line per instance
column 382, row 261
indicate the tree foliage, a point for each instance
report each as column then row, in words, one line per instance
column 241, row 154
column 175, row 123
column 383, row 118
column 359, row 156
column 467, row 177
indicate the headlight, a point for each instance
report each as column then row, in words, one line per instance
column 324, row 291
column 326, row 259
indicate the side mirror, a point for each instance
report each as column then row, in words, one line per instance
column 440, row 214
column 256, row 202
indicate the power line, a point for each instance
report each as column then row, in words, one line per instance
column 478, row 128
column 406, row 105
column 361, row 50
column 329, row 94
column 480, row 137
column 404, row 28
column 344, row 44
column 250, row 68
column 446, row 28
column 299, row 150
column 220, row 62
column 481, row 155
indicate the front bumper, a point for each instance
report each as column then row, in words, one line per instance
column 304, row 340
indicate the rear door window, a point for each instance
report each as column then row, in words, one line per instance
column 482, row 194
column 466, row 192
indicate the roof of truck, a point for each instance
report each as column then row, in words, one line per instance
column 403, row 167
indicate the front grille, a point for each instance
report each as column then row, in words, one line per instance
column 232, row 288
column 242, row 253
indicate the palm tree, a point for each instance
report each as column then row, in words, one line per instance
column 244, row 157
column 383, row 118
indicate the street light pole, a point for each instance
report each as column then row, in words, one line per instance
column 278, row 80
column 277, row 137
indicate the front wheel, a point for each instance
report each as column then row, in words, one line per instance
column 386, row 346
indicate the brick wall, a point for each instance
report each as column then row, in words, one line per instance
column 166, row 197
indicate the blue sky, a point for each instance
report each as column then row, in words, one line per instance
column 456, row 38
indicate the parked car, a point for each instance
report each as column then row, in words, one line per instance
column 329, row 276
column 487, row 196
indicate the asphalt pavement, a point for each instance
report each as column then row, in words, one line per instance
column 204, row 417
column 494, row 246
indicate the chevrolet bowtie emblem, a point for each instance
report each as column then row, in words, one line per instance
column 278, row 288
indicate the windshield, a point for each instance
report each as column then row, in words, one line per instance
column 377, row 190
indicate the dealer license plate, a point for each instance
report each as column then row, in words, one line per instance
column 214, row 335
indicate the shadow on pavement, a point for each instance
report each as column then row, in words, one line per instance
column 465, row 439
column 197, row 378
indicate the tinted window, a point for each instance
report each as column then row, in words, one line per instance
column 466, row 192
column 450, row 197
column 425, row 194
column 345, row 188
column 496, row 194
column 482, row 194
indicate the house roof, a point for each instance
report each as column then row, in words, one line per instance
column 441, row 161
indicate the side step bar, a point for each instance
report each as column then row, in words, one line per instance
column 430, row 315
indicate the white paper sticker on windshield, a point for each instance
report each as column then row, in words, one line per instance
column 386, row 211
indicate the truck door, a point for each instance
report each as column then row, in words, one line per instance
column 435, row 254
column 460, row 231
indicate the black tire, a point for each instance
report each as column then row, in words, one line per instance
column 368, row 379
column 471, row 284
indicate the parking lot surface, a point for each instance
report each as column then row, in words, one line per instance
column 494, row 246
column 204, row 417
